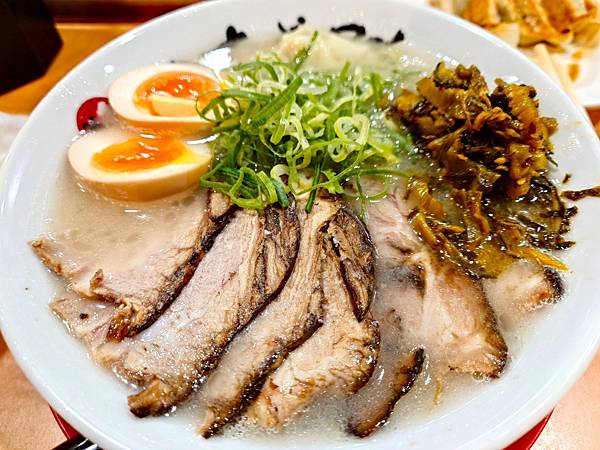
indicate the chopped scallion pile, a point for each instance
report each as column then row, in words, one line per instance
column 282, row 129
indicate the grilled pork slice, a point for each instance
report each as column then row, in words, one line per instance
column 524, row 286
column 287, row 322
column 77, row 255
column 353, row 246
column 85, row 318
column 421, row 304
column 340, row 356
column 373, row 405
column 398, row 365
column 247, row 265
column 146, row 273
column 450, row 317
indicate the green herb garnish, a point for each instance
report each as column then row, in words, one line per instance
column 282, row 129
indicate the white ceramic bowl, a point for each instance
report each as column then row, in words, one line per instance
column 549, row 361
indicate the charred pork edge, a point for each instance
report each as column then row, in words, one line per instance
column 157, row 384
column 329, row 245
column 413, row 372
column 121, row 326
column 365, row 241
column 556, row 283
column 36, row 245
column 291, row 217
column 271, row 364
column 142, row 404
column 375, row 347
column 497, row 339
column 254, row 388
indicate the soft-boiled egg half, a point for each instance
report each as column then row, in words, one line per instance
column 165, row 97
column 123, row 165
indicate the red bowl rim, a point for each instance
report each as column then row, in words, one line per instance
column 524, row 443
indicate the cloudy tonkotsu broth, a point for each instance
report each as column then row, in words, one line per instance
column 111, row 223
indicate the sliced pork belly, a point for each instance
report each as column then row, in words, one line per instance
column 352, row 244
column 142, row 275
column 523, row 287
column 450, row 318
column 247, row 265
column 77, row 255
column 86, row 319
column 393, row 377
column 340, row 357
column 423, row 305
column 287, row 321
column 398, row 365
column 69, row 255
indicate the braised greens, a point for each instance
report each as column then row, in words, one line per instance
column 490, row 200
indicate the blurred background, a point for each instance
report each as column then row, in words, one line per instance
column 111, row 10
column 82, row 25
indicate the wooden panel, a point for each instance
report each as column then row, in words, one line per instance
column 112, row 10
column 79, row 40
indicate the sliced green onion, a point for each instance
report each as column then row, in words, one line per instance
column 313, row 193
column 275, row 105
column 281, row 129
column 305, row 52
column 269, row 186
column 281, row 195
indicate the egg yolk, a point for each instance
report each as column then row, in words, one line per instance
column 183, row 85
column 141, row 154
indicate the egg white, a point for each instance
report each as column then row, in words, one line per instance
column 137, row 185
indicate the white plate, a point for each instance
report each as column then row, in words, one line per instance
column 587, row 85
column 541, row 371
